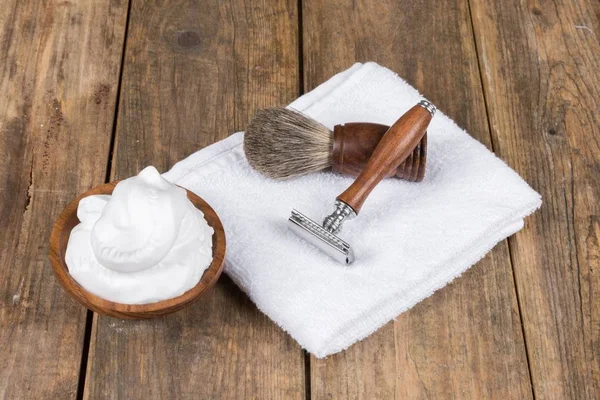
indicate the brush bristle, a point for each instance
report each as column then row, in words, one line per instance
column 282, row 143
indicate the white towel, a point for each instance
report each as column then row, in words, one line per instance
column 410, row 239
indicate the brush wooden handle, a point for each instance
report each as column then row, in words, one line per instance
column 354, row 143
column 393, row 148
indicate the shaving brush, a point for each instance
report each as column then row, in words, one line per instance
column 282, row 143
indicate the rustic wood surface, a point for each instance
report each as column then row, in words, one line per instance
column 522, row 77
column 540, row 65
column 59, row 66
column 465, row 341
column 194, row 73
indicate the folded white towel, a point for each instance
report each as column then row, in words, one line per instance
column 410, row 239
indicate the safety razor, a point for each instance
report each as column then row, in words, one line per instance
column 393, row 148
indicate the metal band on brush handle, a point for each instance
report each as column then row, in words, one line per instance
column 428, row 106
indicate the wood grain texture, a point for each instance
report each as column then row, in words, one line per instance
column 59, row 65
column 194, row 73
column 353, row 145
column 466, row 340
column 59, row 239
column 541, row 71
column 394, row 147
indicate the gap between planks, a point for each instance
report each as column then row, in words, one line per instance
column 109, row 164
column 301, row 90
column 494, row 146
column 89, row 318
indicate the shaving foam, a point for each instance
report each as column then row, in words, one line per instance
column 144, row 243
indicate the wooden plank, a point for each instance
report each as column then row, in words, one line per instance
column 541, row 73
column 466, row 340
column 59, row 68
column 194, row 73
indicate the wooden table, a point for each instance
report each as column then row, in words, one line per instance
column 92, row 91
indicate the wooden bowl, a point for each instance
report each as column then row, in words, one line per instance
column 58, row 247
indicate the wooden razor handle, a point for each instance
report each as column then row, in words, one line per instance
column 393, row 148
column 354, row 143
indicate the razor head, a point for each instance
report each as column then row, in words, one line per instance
column 315, row 234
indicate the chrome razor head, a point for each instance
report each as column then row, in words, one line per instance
column 315, row 234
